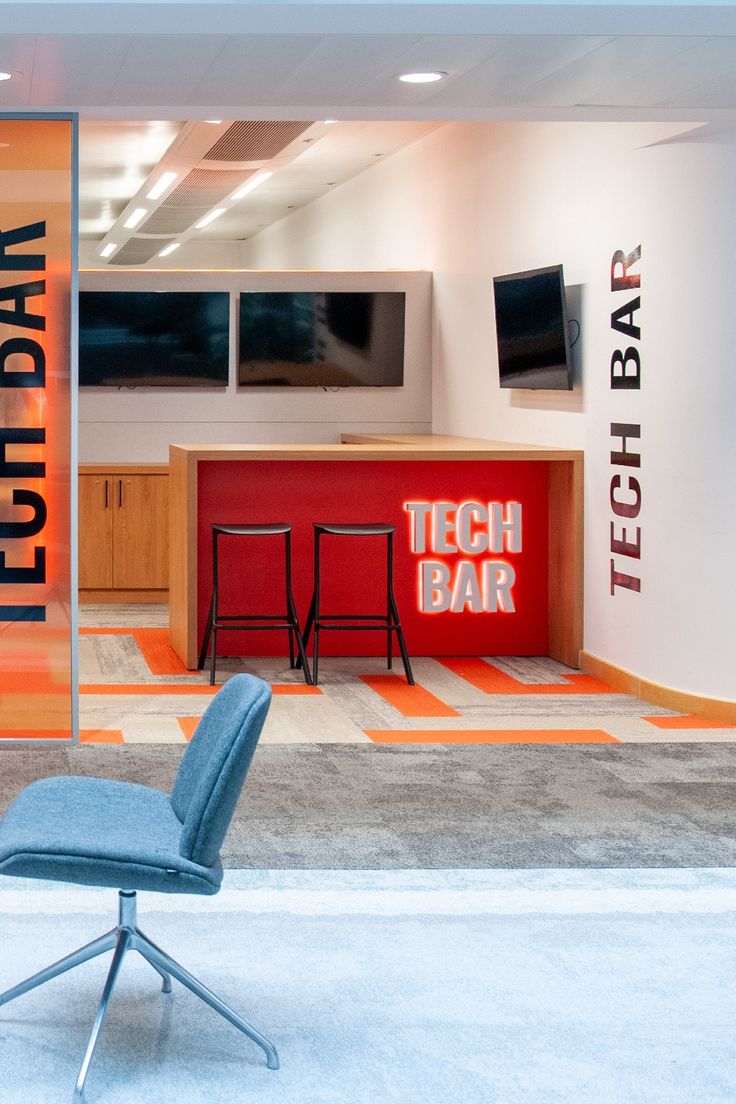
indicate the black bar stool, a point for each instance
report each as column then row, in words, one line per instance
column 217, row 621
column 390, row 622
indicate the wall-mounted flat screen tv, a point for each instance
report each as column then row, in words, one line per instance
column 153, row 338
column 532, row 330
column 321, row 339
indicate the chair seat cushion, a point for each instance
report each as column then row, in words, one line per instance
column 95, row 831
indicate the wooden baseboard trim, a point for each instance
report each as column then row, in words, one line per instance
column 716, row 709
column 123, row 597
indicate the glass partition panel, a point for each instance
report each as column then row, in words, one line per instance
column 37, row 176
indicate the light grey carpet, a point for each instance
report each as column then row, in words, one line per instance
column 360, row 806
column 389, row 987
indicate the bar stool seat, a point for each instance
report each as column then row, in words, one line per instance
column 217, row 621
column 273, row 528
column 370, row 529
column 389, row 621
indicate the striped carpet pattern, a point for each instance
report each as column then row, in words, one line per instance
column 135, row 689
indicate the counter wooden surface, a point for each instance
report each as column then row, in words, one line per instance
column 565, row 513
column 380, row 447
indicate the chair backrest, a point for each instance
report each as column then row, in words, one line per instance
column 214, row 766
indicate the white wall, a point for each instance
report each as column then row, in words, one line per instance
column 475, row 200
column 137, row 425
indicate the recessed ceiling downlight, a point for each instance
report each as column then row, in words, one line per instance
column 6, row 76
column 422, row 78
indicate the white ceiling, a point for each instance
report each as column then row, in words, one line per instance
column 180, row 62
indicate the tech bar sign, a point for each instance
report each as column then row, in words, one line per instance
column 21, row 319
column 442, row 530
column 625, row 488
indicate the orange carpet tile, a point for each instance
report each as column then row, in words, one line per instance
column 146, row 688
column 686, row 721
column 188, row 726
column 491, row 680
column 490, row 736
column 36, row 734
column 410, row 701
column 101, row 736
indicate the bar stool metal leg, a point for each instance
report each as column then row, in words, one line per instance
column 288, row 621
column 395, row 614
column 215, row 580
column 294, row 630
column 205, row 639
column 387, row 622
column 315, row 603
column 389, row 611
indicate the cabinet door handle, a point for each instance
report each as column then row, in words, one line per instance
column 120, row 492
column 107, row 494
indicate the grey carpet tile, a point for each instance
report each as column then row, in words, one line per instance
column 554, row 705
column 112, row 659
column 649, row 764
column 532, row 669
column 364, row 707
column 138, row 615
column 363, row 806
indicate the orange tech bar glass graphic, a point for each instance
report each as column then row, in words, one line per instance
column 36, row 207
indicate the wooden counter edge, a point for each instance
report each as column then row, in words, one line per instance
column 183, row 554
column 565, row 561
column 484, row 451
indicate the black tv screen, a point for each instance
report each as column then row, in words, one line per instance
column 321, row 339
column 532, row 331
column 153, row 338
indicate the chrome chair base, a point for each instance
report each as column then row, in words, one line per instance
column 127, row 936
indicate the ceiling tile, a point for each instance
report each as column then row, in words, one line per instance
column 601, row 75
column 340, row 66
column 77, row 71
column 165, row 68
column 248, row 69
column 665, row 81
column 523, row 61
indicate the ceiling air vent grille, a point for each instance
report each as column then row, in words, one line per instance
column 255, row 140
column 137, row 251
column 204, row 187
column 172, row 220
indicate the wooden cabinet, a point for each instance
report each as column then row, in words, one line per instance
column 123, row 533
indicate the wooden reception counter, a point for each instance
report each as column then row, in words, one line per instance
column 402, row 479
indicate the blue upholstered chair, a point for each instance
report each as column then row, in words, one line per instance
column 98, row 832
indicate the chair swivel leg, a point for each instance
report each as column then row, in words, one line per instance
column 122, row 946
column 76, row 958
column 162, row 961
